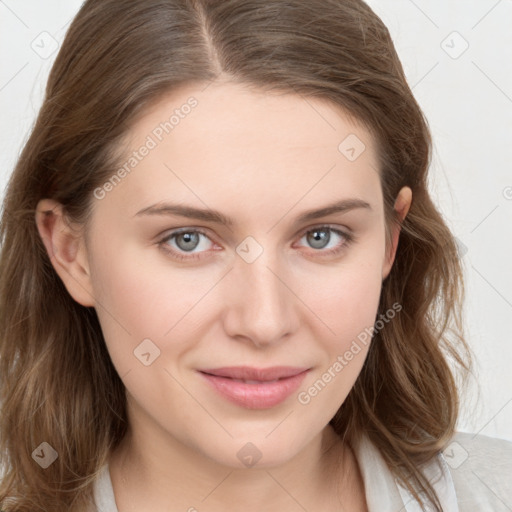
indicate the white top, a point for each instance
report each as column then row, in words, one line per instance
column 476, row 476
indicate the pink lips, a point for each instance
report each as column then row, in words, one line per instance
column 255, row 388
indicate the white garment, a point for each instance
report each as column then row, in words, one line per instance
column 476, row 477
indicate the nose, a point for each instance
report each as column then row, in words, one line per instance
column 260, row 305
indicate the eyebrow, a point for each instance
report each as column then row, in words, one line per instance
column 209, row 215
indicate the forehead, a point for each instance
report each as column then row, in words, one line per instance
column 227, row 144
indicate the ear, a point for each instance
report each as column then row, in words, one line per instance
column 66, row 249
column 402, row 205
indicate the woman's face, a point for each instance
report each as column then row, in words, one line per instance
column 266, row 289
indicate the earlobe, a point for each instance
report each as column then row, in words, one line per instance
column 66, row 249
column 402, row 205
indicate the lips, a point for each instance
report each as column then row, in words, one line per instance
column 247, row 373
column 255, row 388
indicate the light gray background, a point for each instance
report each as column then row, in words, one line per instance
column 467, row 98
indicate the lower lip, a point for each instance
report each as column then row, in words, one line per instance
column 255, row 396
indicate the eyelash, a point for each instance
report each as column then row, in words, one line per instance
column 349, row 238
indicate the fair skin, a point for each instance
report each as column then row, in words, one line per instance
column 261, row 160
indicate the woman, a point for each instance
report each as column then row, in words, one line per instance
column 223, row 281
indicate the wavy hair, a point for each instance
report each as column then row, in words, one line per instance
column 57, row 382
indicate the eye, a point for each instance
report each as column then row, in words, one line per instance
column 185, row 241
column 320, row 237
column 191, row 243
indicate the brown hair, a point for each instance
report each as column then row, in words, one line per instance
column 58, row 383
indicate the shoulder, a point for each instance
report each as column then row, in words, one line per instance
column 481, row 470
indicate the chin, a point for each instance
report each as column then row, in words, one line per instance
column 258, row 452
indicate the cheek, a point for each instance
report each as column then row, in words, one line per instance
column 345, row 294
column 345, row 299
column 140, row 297
column 348, row 305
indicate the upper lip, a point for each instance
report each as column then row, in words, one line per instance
column 258, row 374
